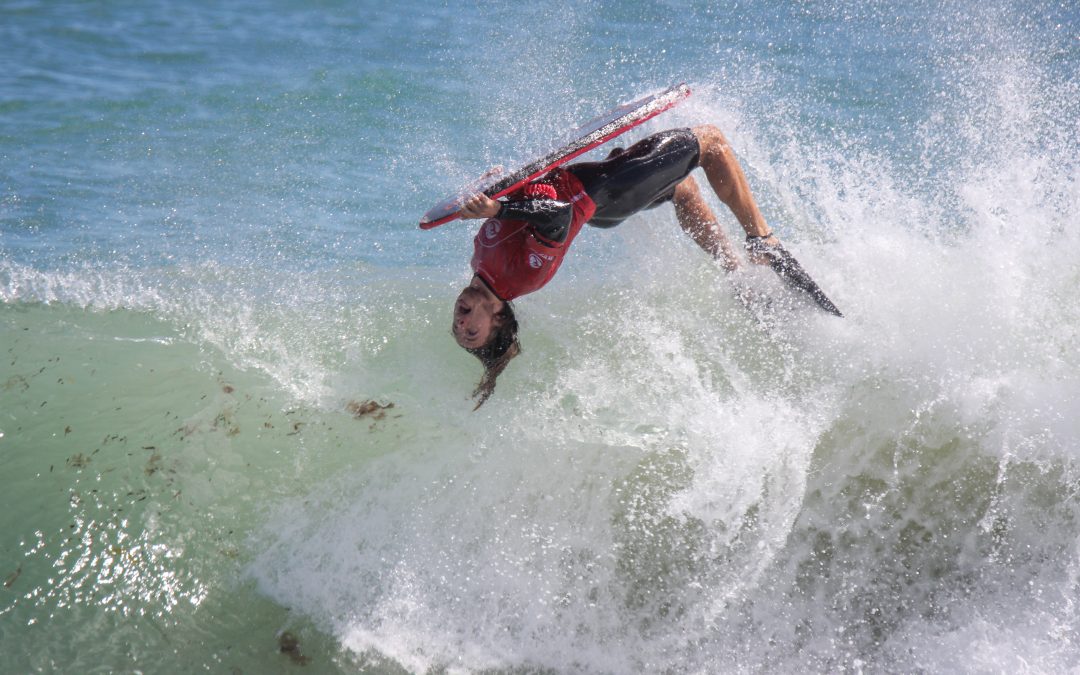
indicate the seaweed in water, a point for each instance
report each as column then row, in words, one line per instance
column 362, row 409
column 288, row 644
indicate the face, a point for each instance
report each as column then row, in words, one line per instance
column 475, row 317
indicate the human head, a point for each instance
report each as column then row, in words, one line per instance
column 486, row 328
column 477, row 315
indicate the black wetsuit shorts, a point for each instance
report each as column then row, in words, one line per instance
column 638, row 178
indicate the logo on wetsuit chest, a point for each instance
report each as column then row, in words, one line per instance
column 491, row 228
column 536, row 260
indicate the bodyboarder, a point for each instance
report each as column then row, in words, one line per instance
column 524, row 238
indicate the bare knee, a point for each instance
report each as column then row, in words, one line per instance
column 711, row 139
column 718, row 160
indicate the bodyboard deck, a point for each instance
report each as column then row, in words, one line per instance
column 595, row 132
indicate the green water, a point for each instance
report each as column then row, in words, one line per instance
column 137, row 465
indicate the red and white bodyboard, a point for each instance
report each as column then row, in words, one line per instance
column 586, row 137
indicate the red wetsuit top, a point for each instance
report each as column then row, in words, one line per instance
column 519, row 251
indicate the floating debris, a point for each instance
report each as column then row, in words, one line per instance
column 288, row 644
column 362, row 409
column 78, row 461
column 12, row 577
column 188, row 429
column 225, row 420
column 153, row 465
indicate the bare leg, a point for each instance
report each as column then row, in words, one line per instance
column 697, row 220
column 729, row 182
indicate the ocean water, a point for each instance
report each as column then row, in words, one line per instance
column 209, row 263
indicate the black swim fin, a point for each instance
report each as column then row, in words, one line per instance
column 789, row 269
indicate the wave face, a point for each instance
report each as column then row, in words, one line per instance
column 209, row 264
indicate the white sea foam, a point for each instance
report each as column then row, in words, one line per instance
column 661, row 482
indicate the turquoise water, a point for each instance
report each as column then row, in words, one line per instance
column 209, row 257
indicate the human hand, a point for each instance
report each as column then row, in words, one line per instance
column 479, row 206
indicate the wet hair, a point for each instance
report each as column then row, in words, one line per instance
column 501, row 347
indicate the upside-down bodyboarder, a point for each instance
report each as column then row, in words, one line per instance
column 524, row 238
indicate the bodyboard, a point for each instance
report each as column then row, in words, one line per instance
column 595, row 132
